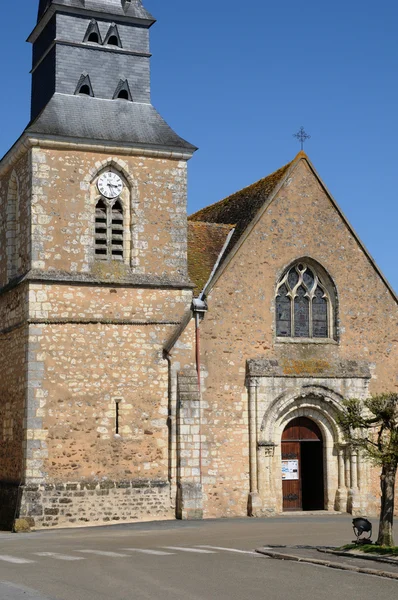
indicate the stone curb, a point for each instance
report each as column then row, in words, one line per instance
column 327, row 563
column 362, row 556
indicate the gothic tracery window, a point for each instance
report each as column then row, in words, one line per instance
column 109, row 239
column 304, row 307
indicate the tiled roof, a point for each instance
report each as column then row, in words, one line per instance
column 205, row 242
column 96, row 119
column 239, row 209
column 243, row 205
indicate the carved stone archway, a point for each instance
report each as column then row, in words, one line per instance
column 275, row 400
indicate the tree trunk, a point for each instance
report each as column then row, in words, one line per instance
column 387, row 483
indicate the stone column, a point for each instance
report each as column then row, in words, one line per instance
column 189, row 477
column 354, row 468
column 354, row 504
column 347, row 461
column 254, row 501
column 342, row 492
column 360, row 469
column 265, row 457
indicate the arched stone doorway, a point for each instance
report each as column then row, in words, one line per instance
column 274, row 400
column 302, row 466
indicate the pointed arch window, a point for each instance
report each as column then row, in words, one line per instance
column 109, row 230
column 113, row 37
column 84, row 86
column 304, row 304
column 93, row 33
column 122, row 91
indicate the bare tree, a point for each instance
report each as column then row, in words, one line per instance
column 372, row 425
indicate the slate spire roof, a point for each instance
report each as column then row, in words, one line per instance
column 96, row 120
column 64, row 59
column 128, row 8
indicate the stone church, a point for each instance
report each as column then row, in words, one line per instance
column 154, row 366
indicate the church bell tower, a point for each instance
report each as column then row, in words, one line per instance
column 93, row 276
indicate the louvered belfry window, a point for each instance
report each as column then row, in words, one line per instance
column 303, row 304
column 109, row 230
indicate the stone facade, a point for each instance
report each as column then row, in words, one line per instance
column 123, row 397
column 91, row 335
column 244, row 410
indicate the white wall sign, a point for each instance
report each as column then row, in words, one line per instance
column 290, row 469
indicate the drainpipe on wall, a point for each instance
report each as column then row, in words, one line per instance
column 199, row 308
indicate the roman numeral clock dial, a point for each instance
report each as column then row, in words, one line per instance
column 110, row 185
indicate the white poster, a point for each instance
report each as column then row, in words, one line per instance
column 290, row 469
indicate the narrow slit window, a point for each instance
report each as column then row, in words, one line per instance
column 109, row 230
column 117, row 416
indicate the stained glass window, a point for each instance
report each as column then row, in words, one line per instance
column 283, row 311
column 303, row 304
column 301, row 313
column 320, row 314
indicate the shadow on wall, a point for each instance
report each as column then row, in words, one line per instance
column 9, row 504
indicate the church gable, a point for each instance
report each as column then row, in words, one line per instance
column 294, row 183
column 264, row 364
column 300, row 232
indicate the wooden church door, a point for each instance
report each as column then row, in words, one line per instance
column 302, row 466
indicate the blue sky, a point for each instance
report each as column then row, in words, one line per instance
column 238, row 79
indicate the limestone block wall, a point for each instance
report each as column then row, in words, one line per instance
column 15, row 195
column 180, row 354
column 240, row 325
column 79, row 504
column 99, row 400
column 112, row 304
column 12, row 405
column 189, row 446
column 63, row 214
column 13, row 394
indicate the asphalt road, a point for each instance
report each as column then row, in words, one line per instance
column 180, row 561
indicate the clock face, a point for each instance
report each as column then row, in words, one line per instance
column 110, row 184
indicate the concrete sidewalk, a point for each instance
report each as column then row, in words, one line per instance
column 334, row 559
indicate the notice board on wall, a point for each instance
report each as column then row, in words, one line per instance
column 290, row 469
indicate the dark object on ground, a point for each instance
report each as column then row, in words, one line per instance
column 362, row 526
